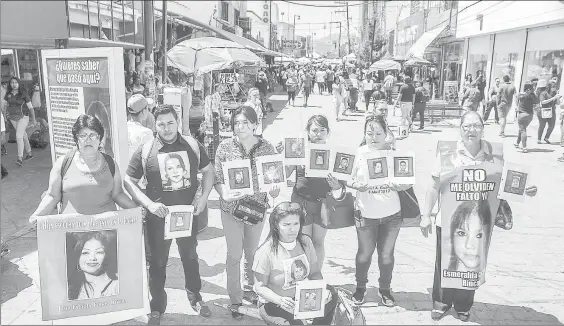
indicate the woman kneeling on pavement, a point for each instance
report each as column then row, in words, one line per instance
column 471, row 150
column 241, row 236
column 85, row 180
column 310, row 192
column 275, row 282
column 377, row 216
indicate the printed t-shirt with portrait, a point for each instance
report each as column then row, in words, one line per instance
column 286, row 267
column 379, row 203
column 462, row 157
column 172, row 171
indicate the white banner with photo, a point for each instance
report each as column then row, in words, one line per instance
column 342, row 162
column 271, row 172
column 92, row 265
column 295, row 150
column 403, row 167
column 514, row 180
column 237, row 176
column 377, row 167
column 310, row 299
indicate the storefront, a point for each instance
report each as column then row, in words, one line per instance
column 544, row 55
column 451, row 70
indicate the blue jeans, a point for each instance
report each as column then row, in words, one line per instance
column 376, row 233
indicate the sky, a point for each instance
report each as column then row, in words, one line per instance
column 313, row 19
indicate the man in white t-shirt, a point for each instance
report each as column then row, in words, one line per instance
column 320, row 79
column 137, row 133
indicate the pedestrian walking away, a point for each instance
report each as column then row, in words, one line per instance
column 420, row 101
column 368, row 88
column 526, row 103
column 242, row 235
column 491, row 103
column 405, row 98
column 181, row 158
column 505, row 97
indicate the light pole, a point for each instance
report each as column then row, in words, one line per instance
column 294, row 35
column 312, row 43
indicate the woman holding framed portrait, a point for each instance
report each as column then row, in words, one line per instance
column 286, row 257
column 243, row 229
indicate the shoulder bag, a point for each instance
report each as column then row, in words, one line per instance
column 546, row 113
column 339, row 213
column 346, row 312
column 409, row 204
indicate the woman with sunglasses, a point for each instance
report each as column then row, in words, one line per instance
column 377, row 213
column 275, row 268
column 471, row 150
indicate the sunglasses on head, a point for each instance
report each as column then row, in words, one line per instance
column 289, row 207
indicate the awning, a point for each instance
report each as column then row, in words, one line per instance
column 79, row 42
column 417, row 50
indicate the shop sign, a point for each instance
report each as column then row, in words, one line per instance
column 227, row 78
column 451, row 91
column 266, row 11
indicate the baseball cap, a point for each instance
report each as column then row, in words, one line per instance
column 136, row 103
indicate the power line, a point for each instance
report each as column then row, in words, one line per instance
column 321, row 6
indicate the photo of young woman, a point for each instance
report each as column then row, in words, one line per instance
column 92, row 267
column 470, row 232
column 175, row 171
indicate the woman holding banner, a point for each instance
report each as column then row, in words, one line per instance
column 478, row 162
column 377, row 215
column 85, row 180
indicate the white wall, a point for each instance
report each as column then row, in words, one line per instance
column 506, row 15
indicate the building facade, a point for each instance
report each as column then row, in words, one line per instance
column 520, row 39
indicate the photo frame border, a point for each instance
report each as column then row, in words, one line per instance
column 270, row 159
column 391, row 172
column 333, row 158
column 313, row 172
column 234, row 164
column 515, row 167
column 178, row 234
column 310, row 285
column 364, row 167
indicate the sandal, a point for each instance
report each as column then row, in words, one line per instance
column 464, row 316
column 437, row 314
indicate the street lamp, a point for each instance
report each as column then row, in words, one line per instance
column 294, row 35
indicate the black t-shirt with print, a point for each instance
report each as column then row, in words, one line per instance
column 172, row 171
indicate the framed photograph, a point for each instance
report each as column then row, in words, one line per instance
column 237, row 176
column 310, row 299
column 342, row 163
column 91, row 265
column 271, row 172
column 403, row 131
column 178, row 222
column 376, row 167
column 514, row 180
column 295, row 150
column 403, row 167
column 317, row 159
column 174, row 168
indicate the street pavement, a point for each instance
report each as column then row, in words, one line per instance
column 525, row 277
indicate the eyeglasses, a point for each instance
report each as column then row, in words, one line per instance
column 89, row 136
column 475, row 126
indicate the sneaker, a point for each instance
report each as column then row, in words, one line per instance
column 387, row 298
column 235, row 311
column 358, row 296
column 539, row 141
column 516, row 145
column 154, row 318
column 437, row 314
column 250, row 296
column 201, row 308
column 464, row 316
column 28, row 156
column 19, row 161
column 546, row 141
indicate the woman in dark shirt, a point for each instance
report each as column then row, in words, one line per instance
column 19, row 109
column 526, row 102
column 547, row 100
column 310, row 192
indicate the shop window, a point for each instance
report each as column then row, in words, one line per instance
column 504, row 64
column 544, row 65
column 8, row 68
column 236, row 16
column 476, row 62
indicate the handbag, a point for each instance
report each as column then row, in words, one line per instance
column 340, row 213
column 346, row 312
column 504, row 217
column 249, row 211
column 409, row 204
column 546, row 113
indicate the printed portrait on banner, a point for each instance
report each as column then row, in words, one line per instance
column 377, row 168
column 514, row 182
column 310, row 300
column 295, row 269
column 273, row 172
column 175, row 170
column 294, row 147
column 468, row 210
column 343, row 163
column 179, row 221
column 239, row 178
column 403, row 166
column 319, row 159
column 311, row 296
column 91, row 264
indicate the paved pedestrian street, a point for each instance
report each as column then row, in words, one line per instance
column 525, row 277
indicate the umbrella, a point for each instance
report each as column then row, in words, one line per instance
column 385, row 65
column 204, row 54
column 417, row 62
column 304, row 61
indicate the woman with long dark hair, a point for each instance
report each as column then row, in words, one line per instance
column 287, row 246
column 92, row 265
column 20, row 112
